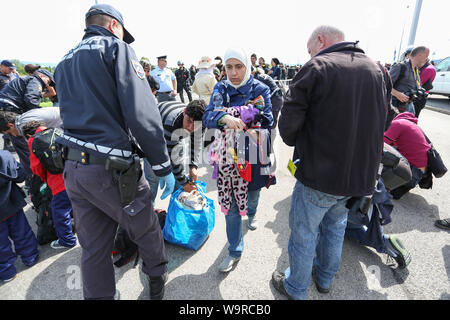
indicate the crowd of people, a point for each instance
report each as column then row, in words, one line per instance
column 122, row 110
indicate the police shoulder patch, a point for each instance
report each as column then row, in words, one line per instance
column 138, row 68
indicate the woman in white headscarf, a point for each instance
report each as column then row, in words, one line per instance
column 204, row 79
column 239, row 88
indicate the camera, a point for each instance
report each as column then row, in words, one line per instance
column 418, row 94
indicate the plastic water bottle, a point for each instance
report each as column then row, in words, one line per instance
column 217, row 101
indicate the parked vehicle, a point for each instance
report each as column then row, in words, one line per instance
column 441, row 84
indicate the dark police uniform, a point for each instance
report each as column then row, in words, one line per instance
column 183, row 82
column 104, row 96
column 21, row 95
column 4, row 79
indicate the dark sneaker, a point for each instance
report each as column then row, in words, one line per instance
column 318, row 287
column 157, row 285
column 278, row 283
column 399, row 252
column 443, row 224
column 55, row 245
column 252, row 223
column 10, row 279
column 228, row 263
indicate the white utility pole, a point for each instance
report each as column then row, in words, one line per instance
column 415, row 22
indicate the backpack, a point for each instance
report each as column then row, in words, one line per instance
column 125, row 248
column 396, row 169
column 47, row 151
column 41, row 197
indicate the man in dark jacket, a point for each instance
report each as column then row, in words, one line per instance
column 334, row 115
column 21, row 95
column 183, row 81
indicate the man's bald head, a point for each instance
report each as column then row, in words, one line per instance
column 322, row 38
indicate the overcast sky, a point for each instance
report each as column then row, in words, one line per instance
column 44, row 30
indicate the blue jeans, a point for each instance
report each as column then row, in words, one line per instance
column 62, row 221
column 358, row 231
column 317, row 221
column 19, row 231
column 234, row 223
column 153, row 180
column 410, row 108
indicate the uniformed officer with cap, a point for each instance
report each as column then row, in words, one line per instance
column 105, row 105
column 167, row 81
column 7, row 73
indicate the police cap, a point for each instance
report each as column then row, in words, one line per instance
column 161, row 57
column 9, row 64
column 112, row 12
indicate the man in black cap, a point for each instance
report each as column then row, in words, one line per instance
column 7, row 73
column 105, row 107
column 167, row 81
column 183, row 81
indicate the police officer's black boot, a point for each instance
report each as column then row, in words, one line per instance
column 157, row 285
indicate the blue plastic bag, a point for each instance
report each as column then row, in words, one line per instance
column 189, row 228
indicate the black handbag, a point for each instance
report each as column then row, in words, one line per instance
column 435, row 163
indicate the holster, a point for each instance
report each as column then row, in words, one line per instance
column 126, row 173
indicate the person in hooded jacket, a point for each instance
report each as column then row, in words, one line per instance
column 405, row 135
column 13, row 223
column 237, row 90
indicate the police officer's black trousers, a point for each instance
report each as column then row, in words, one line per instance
column 97, row 212
column 188, row 92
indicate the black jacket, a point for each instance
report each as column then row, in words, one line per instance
column 334, row 115
column 11, row 196
column 183, row 77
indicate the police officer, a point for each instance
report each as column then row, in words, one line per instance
column 183, row 81
column 105, row 104
column 7, row 73
column 167, row 81
column 23, row 94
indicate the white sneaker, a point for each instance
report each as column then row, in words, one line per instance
column 252, row 223
column 228, row 264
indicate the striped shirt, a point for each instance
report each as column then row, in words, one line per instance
column 172, row 114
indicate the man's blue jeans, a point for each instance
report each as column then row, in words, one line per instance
column 234, row 223
column 317, row 221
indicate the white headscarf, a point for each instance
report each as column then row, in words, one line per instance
column 240, row 55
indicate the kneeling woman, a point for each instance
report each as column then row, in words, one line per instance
column 237, row 90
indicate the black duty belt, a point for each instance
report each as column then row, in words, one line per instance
column 83, row 157
column 167, row 92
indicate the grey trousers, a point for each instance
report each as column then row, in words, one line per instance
column 97, row 212
column 162, row 97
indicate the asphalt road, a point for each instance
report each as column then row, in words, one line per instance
column 363, row 274
column 439, row 103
